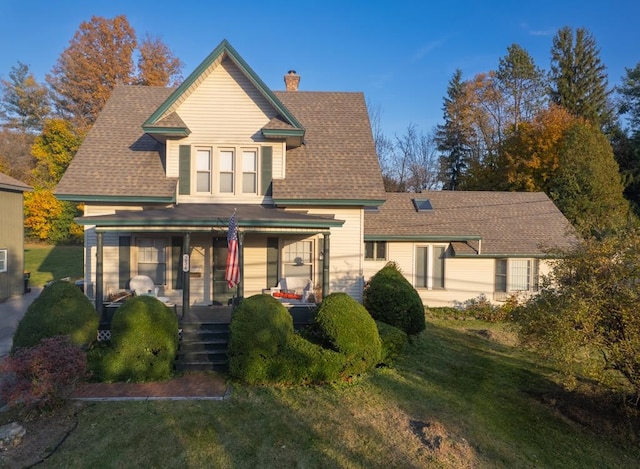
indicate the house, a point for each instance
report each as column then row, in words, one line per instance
column 455, row 245
column 162, row 172
column 11, row 237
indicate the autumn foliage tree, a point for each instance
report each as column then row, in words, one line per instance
column 157, row 66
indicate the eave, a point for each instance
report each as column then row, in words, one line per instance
column 293, row 137
column 166, row 131
column 422, row 238
column 115, row 198
column 338, row 202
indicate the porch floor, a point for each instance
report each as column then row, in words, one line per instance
column 302, row 314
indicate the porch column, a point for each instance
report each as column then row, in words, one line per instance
column 99, row 272
column 325, row 265
column 186, row 267
column 240, row 286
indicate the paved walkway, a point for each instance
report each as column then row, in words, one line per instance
column 11, row 312
column 195, row 386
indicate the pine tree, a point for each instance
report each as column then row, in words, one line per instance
column 452, row 137
column 24, row 103
column 578, row 77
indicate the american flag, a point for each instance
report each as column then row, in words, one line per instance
column 232, row 274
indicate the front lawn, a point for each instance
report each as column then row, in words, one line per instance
column 463, row 396
column 51, row 262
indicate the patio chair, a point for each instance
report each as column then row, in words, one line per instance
column 143, row 285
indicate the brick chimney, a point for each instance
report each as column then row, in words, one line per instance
column 291, row 80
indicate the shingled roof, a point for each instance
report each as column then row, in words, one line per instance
column 337, row 160
column 117, row 159
column 486, row 223
column 11, row 184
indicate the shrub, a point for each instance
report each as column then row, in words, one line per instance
column 393, row 340
column 390, row 298
column 144, row 339
column 61, row 309
column 43, row 376
column 302, row 362
column 260, row 329
column 345, row 326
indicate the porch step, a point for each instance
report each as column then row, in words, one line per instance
column 203, row 346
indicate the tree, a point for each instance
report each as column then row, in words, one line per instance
column 157, row 66
column 98, row 57
column 532, row 154
column 15, row 154
column 578, row 77
column 452, row 137
column 24, row 103
column 522, row 84
column 630, row 97
column 54, row 149
column 587, row 187
column 383, row 146
column 588, row 312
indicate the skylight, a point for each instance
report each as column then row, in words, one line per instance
column 422, row 205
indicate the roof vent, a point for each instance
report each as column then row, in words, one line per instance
column 292, row 80
column 422, row 205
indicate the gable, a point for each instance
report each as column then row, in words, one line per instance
column 226, row 105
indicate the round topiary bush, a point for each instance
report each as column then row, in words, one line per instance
column 394, row 341
column 390, row 298
column 344, row 325
column 61, row 309
column 260, row 329
column 144, row 339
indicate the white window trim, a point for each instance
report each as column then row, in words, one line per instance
column 4, row 260
column 375, row 257
column 429, row 267
column 533, row 280
column 237, row 171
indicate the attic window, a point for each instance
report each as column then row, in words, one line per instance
column 422, row 205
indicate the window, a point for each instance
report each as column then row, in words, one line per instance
column 429, row 270
column 516, row 275
column 375, row 250
column 3, row 260
column 249, row 171
column 298, row 258
column 226, row 171
column 203, row 168
column 152, row 260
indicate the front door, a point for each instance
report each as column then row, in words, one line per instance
column 221, row 291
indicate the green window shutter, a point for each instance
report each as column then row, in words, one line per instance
column 267, row 170
column 184, row 183
column 176, row 262
column 124, row 262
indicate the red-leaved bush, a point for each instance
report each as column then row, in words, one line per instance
column 43, row 376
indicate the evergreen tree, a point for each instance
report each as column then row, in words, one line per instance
column 24, row 103
column 587, row 186
column 578, row 77
column 522, row 83
column 452, row 137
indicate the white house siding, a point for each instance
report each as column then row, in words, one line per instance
column 347, row 251
column 225, row 110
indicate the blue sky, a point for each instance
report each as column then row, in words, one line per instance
column 401, row 54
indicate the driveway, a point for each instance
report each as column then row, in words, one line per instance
column 11, row 312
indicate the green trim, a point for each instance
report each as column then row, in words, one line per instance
column 342, row 202
column 207, row 222
column 223, row 47
column 170, row 131
column 504, row 256
column 115, row 198
column 439, row 238
column 282, row 133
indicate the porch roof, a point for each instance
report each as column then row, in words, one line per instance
column 205, row 217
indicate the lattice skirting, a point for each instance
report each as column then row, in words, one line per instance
column 105, row 334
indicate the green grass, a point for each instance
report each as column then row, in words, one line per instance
column 463, row 396
column 46, row 262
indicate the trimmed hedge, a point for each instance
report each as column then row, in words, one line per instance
column 390, row 298
column 345, row 326
column 144, row 342
column 394, row 341
column 61, row 309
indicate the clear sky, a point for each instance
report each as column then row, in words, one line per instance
column 401, row 54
